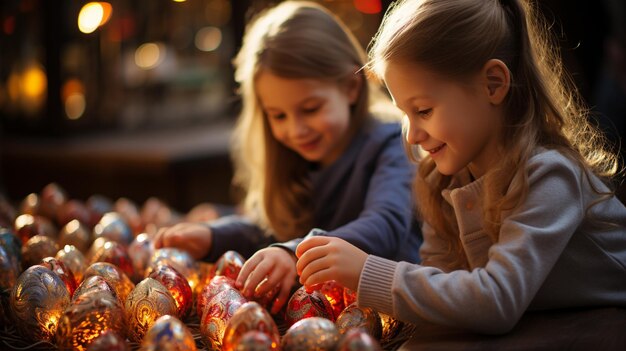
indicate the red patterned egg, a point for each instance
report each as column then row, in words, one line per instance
column 75, row 233
column 114, row 253
column 148, row 301
column 303, row 305
column 177, row 286
column 109, row 340
column 180, row 260
column 217, row 312
column 349, row 297
column 59, row 268
column 113, row 275
column 358, row 340
column 87, row 317
column 315, row 333
column 250, row 316
column 37, row 302
column 334, row 294
column 360, row 317
column 168, row 334
column 37, row 248
column 74, row 260
column 229, row 264
column 215, row 286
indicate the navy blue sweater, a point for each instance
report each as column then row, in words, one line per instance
column 364, row 197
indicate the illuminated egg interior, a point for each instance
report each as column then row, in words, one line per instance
column 334, row 294
column 148, row 301
column 37, row 302
column 87, row 318
column 250, row 316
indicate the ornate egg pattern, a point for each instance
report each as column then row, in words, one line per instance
column 148, row 301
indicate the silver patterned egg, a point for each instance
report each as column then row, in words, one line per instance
column 37, row 302
column 360, row 317
column 311, row 334
column 145, row 304
column 168, row 333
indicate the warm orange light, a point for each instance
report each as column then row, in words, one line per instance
column 369, row 7
column 93, row 15
column 149, row 55
column 34, row 83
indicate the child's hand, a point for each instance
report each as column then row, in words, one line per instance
column 323, row 258
column 192, row 237
column 275, row 264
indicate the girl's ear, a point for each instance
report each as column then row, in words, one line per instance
column 497, row 80
column 354, row 84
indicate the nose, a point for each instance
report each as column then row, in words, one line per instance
column 414, row 133
column 298, row 127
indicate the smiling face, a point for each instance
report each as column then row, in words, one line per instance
column 308, row 116
column 455, row 123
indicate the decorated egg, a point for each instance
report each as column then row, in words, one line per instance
column 98, row 205
column 250, row 316
column 72, row 210
column 304, row 305
column 177, row 286
column 109, row 340
column 52, row 197
column 30, row 205
column 148, row 301
column 358, row 340
column 349, row 297
column 87, row 317
column 315, row 333
column 206, row 272
column 168, row 334
column 94, row 283
column 96, row 245
column 75, row 233
column 140, row 251
column 180, row 260
column 229, row 264
column 391, row 327
column 113, row 275
column 114, row 253
column 37, row 301
column 130, row 213
column 113, row 227
column 26, row 226
column 255, row 340
column 37, row 248
column 62, row 271
column 215, row 286
column 334, row 294
column 8, row 271
column 218, row 311
column 73, row 259
column 360, row 317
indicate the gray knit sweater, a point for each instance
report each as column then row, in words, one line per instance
column 549, row 255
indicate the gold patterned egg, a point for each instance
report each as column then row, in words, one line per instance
column 94, row 283
column 145, row 304
column 250, row 316
column 311, row 334
column 87, row 317
column 358, row 339
column 216, row 314
column 37, row 301
column 177, row 286
column 168, row 333
column 75, row 233
column 74, row 260
column 113, row 275
column 360, row 317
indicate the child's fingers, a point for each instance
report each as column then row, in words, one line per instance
column 248, row 267
column 269, row 282
column 316, row 278
column 283, row 295
column 316, row 265
column 255, row 277
column 310, row 243
column 309, row 256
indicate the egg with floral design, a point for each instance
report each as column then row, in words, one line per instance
column 148, row 301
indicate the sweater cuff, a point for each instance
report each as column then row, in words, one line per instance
column 376, row 283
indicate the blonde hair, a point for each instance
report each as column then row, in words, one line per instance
column 455, row 38
column 297, row 40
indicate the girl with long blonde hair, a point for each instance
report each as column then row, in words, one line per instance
column 512, row 184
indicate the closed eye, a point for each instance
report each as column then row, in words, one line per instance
column 310, row 110
column 424, row 113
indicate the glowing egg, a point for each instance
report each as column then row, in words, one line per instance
column 148, row 301
column 94, row 283
column 177, row 286
column 229, row 264
column 250, row 316
column 109, row 340
column 140, row 251
column 218, row 311
column 255, row 340
column 37, row 301
column 26, row 226
column 349, row 297
column 180, row 260
column 391, row 327
column 304, row 305
column 334, row 294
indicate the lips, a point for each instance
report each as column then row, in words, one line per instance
column 434, row 150
column 309, row 144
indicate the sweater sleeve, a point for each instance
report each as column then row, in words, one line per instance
column 490, row 298
column 384, row 223
column 236, row 233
